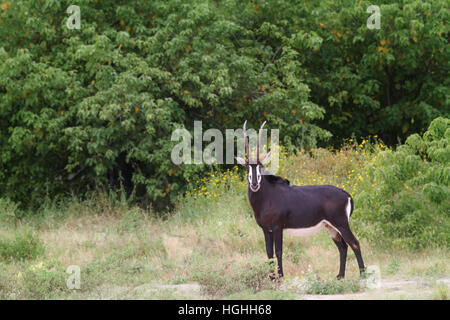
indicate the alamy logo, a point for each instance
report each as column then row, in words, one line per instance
column 219, row 151
column 374, row 21
column 373, row 280
column 74, row 279
column 74, row 21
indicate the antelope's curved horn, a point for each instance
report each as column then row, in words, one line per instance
column 259, row 140
column 247, row 148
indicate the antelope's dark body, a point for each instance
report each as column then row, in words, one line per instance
column 299, row 210
column 285, row 206
column 279, row 206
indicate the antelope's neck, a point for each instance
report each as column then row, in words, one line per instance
column 256, row 199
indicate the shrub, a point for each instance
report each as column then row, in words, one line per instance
column 314, row 285
column 226, row 279
column 263, row 295
column 409, row 203
column 8, row 212
column 440, row 292
column 24, row 246
column 131, row 221
column 43, row 282
column 394, row 266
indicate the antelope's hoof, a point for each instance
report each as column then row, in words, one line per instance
column 275, row 278
column 272, row 276
column 340, row 277
column 362, row 273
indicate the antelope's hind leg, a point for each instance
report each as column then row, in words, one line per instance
column 351, row 240
column 342, row 247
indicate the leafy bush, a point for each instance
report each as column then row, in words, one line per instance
column 131, row 221
column 98, row 105
column 224, row 280
column 24, row 246
column 43, row 281
column 263, row 295
column 394, row 266
column 314, row 285
column 440, row 292
column 409, row 204
column 8, row 212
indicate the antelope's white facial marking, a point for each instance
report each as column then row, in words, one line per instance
column 254, row 171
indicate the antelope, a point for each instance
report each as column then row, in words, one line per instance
column 297, row 210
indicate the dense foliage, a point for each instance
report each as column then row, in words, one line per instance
column 97, row 106
column 409, row 205
column 391, row 81
column 401, row 196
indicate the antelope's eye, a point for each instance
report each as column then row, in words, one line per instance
column 250, row 174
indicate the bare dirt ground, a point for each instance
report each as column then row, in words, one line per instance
column 388, row 289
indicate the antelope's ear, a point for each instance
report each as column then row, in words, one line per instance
column 241, row 161
column 266, row 157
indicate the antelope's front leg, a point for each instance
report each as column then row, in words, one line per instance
column 268, row 237
column 278, row 239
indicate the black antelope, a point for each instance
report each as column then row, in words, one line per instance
column 297, row 210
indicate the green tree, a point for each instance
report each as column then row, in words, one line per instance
column 391, row 81
column 97, row 106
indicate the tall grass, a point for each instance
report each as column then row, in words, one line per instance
column 25, row 245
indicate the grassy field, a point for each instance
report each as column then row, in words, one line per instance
column 208, row 247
